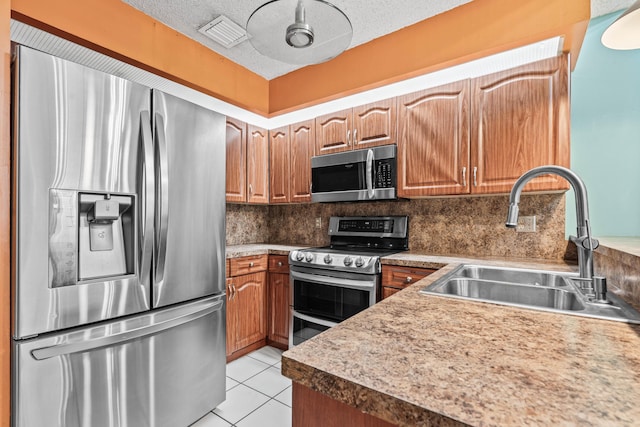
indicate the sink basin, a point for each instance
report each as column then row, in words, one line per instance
column 511, row 293
column 533, row 289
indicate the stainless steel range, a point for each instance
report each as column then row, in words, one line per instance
column 331, row 284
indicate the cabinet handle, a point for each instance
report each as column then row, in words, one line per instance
column 349, row 137
column 464, row 176
column 408, row 279
column 355, row 136
column 230, row 291
column 279, row 263
column 475, row 176
column 251, row 264
column 234, row 290
column 250, row 189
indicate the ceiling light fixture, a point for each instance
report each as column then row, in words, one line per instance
column 320, row 31
column 299, row 34
column 624, row 33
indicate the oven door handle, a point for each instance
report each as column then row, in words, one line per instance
column 315, row 320
column 334, row 281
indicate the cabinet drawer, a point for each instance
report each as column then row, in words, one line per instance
column 401, row 277
column 279, row 264
column 247, row 264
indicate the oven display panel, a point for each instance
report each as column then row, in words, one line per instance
column 366, row 226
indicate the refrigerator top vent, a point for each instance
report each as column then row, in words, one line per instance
column 224, row 31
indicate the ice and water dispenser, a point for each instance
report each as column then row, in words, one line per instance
column 92, row 236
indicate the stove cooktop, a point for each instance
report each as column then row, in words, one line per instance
column 357, row 243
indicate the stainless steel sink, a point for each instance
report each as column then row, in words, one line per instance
column 534, row 289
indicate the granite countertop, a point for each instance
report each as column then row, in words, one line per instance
column 414, row 359
column 237, row 251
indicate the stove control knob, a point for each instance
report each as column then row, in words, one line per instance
column 328, row 259
column 359, row 261
column 299, row 256
column 348, row 261
column 309, row 257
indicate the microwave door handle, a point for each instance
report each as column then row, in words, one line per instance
column 163, row 196
column 147, row 198
column 370, row 160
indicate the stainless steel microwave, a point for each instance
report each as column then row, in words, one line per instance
column 358, row 175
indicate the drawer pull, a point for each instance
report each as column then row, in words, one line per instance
column 279, row 263
column 409, row 279
column 251, row 264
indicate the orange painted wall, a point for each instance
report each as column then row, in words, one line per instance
column 5, row 214
column 118, row 30
column 477, row 29
column 471, row 31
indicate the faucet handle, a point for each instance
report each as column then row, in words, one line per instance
column 600, row 289
column 585, row 241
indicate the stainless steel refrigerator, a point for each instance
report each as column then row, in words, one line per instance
column 118, row 299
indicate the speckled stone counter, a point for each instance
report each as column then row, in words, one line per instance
column 237, row 251
column 417, row 360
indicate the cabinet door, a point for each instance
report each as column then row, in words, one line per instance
column 302, row 147
column 333, row 132
column 257, row 165
column 231, row 319
column 250, row 299
column 279, row 161
column 279, row 308
column 236, row 135
column 433, row 144
column 520, row 120
column 374, row 124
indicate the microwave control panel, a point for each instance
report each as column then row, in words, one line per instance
column 385, row 173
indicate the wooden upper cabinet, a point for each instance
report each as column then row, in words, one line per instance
column 364, row 126
column 257, row 165
column 302, row 144
column 520, row 120
column 236, row 136
column 374, row 124
column 333, row 132
column 279, row 161
column 433, row 144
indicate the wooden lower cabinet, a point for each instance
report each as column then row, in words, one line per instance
column 314, row 409
column 246, row 313
column 279, row 300
column 395, row 278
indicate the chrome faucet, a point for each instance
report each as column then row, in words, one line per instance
column 583, row 240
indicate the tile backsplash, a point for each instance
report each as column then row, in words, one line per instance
column 443, row 226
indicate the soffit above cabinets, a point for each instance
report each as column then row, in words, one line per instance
column 30, row 36
column 370, row 20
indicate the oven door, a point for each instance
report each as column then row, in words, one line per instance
column 333, row 298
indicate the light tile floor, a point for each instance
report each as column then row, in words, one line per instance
column 257, row 394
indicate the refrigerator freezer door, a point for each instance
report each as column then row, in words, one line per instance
column 163, row 368
column 190, row 209
column 76, row 131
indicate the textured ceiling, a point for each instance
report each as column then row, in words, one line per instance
column 370, row 19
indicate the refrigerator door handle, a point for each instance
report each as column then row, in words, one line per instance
column 146, row 231
column 163, row 196
column 195, row 312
